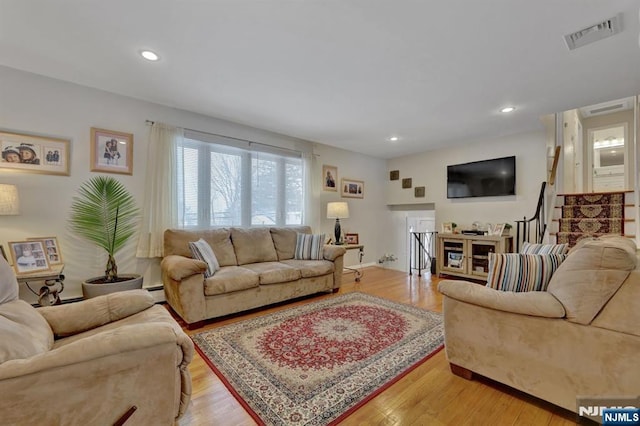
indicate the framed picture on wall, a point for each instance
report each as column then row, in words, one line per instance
column 36, row 154
column 329, row 178
column 28, row 256
column 350, row 188
column 111, row 151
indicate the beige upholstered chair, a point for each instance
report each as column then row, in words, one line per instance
column 96, row 362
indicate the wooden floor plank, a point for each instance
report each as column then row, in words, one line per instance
column 429, row 395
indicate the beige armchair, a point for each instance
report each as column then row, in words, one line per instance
column 108, row 359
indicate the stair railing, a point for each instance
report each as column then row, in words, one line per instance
column 536, row 225
column 422, row 248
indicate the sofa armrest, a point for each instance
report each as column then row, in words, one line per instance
column 332, row 252
column 180, row 267
column 534, row 303
column 116, row 342
column 73, row 318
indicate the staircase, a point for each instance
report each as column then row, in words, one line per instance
column 579, row 216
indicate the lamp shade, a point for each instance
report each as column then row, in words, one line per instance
column 337, row 210
column 9, row 201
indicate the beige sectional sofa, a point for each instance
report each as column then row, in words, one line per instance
column 579, row 338
column 257, row 268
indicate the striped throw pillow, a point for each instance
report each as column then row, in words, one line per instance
column 201, row 250
column 309, row 246
column 529, row 248
column 522, row 272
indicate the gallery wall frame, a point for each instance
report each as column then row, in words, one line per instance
column 111, row 151
column 35, row 154
column 329, row 178
column 350, row 188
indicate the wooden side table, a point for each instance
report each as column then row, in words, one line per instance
column 360, row 247
column 53, row 279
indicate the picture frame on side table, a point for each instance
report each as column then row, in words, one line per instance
column 351, row 239
column 350, row 188
column 52, row 249
column 111, row 152
column 28, row 256
column 4, row 254
column 447, row 228
column 329, row 178
column 35, row 154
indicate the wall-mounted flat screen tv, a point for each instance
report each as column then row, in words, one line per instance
column 488, row 178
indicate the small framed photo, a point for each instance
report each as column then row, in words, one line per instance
column 329, row 178
column 351, row 239
column 394, row 175
column 36, row 154
column 52, row 249
column 350, row 188
column 406, row 183
column 447, row 228
column 28, row 256
column 419, row 191
column 496, row 229
column 111, row 152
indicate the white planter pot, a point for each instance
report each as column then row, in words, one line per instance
column 91, row 289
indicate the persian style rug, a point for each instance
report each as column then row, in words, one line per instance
column 317, row 363
column 591, row 215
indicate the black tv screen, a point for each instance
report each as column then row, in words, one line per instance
column 488, row 178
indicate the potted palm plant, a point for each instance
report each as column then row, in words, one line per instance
column 105, row 213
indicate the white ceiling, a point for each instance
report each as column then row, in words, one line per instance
column 348, row 73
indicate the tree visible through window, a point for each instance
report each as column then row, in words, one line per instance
column 221, row 185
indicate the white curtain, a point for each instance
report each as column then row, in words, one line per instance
column 311, row 216
column 160, row 210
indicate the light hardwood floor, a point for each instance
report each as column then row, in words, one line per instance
column 429, row 395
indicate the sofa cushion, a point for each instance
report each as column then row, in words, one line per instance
column 8, row 282
column 533, row 248
column 284, row 240
column 229, row 279
column 23, row 331
column 273, row 272
column 522, row 272
column 176, row 241
column 253, row 245
column 309, row 246
column 201, row 250
column 311, row 268
column 592, row 273
column 621, row 313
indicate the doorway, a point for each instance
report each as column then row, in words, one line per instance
column 608, row 158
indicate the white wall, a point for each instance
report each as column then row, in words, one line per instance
column 430, row 169
column 34, row 104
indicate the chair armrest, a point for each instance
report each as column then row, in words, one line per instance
column 180, row 267
column 534, row 303
column 331, row 252
column 127, row 338
column 73, row 318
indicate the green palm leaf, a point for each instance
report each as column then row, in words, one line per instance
column 105, row 213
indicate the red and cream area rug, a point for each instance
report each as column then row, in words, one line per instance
column 317, row 363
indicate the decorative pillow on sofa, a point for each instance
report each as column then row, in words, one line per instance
column 309, row 246
column 522, row 272
column 201, row 250
column 531, row 248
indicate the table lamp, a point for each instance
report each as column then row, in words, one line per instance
column 9, row 200
column 337, row 210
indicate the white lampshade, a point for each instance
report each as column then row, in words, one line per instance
column 9, row 200
column 337, row 210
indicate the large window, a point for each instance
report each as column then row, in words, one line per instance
column 225, row 182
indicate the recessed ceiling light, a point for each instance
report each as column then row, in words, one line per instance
column 394, row 138
column 149, row 55
column 508, row 109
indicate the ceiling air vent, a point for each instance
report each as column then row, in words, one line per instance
column 594, row 32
